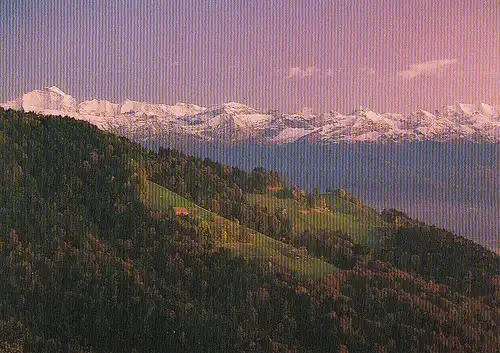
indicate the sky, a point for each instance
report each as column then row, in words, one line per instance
column 396, row 56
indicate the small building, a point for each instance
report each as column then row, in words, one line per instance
column 181, row 211
column 274, row 188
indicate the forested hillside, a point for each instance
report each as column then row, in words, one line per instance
column 87, row 265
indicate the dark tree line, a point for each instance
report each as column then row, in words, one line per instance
column 443, row 257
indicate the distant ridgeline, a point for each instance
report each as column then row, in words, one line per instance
column 107, row 247
column 235, row 122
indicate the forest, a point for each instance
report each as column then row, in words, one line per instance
column 92, row 261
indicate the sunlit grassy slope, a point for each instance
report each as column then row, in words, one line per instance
column 158, row 198
column 359, row 224
column 257, row 245
column 366, row 214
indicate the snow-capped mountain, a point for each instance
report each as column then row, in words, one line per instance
column 234, row 122
column 229, row 122
column 99, row 108
column 43, row 101
column 130, row 107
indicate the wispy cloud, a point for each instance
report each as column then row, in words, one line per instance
column 367, row 71
column 331, row 72
column 310, row 71
column 426, row 68
column 298, row 72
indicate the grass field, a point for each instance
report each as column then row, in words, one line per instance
column 258, row 246
column 359, row 225
column 159, row 198
column 281, row 255
column 338, row 204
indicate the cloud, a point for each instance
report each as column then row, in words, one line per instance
column 368, row 71
column 298, row 72
column 332, row 72
column 310, row 71
column 426, row 68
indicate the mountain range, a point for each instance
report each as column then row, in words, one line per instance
column 236, row 122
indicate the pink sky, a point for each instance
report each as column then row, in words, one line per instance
column 329, row 55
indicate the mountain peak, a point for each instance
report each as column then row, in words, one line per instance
column 363, row 111
column 235, row 105
column 49, row 99
column 235, row 108
column 306, row 112
column 55, row 89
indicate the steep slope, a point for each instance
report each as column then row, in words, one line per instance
column 242, row 241
column 89, row 269
column 86, row 267
column 355, row 226
column 341, row 201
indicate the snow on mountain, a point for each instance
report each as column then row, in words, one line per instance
column 56, row 90
column 234, row 122
column 47, row 99
column 426, row 125
column 15, row 104
column 462, row 109
column 487, row 109
column 291, row 134
column 307, row 113
column 293, row 121
column 130, row 107
column 98, row 108
column 361, row 125
column 185, row 109
column 229, row 122
column 327, row 118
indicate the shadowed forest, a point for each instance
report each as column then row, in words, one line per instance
column 108, row 247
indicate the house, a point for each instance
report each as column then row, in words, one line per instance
column 181, row 211
column 274, row 188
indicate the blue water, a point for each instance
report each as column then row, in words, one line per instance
column 453, row 185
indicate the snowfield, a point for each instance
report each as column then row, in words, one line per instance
column 236, row 122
